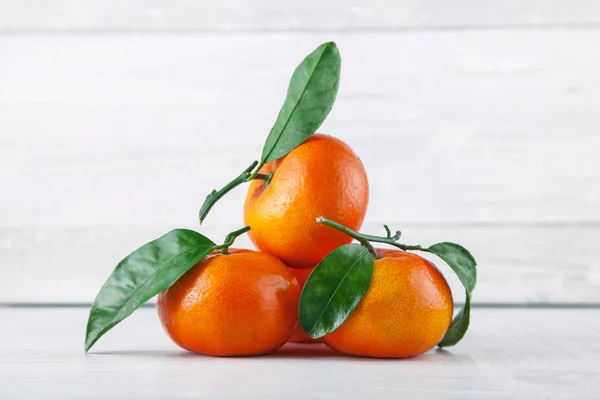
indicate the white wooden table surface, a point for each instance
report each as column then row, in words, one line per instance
column 509, row 353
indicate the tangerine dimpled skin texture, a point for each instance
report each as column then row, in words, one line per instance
column 406, row 311
column 241, row 304
column 321, row 177
column 299, row 336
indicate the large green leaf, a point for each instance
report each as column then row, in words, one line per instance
column 310, row 96
column 149, row 270
column 334, row 289
column 464, row 265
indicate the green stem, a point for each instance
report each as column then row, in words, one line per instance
column 265, row 177
column 255, row 174
column 245, row 176
column 230, row 238
column 352, row 233
column 366, row 239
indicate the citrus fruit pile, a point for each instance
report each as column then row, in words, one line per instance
column 307, row 281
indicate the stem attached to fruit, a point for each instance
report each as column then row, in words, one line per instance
column 255, row 174
column 230, row 238
column 264, row 177
column 352, row 233
column 245, row 176
column 366, row 239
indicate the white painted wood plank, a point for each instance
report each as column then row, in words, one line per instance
column 535, row 265
column 550, row 354
column 236, row 15
column 109, row 141
column 126, row 130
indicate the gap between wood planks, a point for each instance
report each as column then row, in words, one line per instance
column 457, row 305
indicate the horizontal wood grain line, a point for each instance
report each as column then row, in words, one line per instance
column 457, row 305
column 400, row 225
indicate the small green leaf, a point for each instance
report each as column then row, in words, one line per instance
column 310, row 97
column 458, row 327
column 146, row 272
column 464, row 265
column 334, row 289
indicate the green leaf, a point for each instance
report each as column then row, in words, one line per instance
column 464, row 265
column 146, row 272
column 460, row 260
column 310, row 96
column 334, row 289
column 458, row 327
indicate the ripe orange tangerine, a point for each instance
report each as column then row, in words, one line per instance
column 406, row 311
column 321, row 177
column 238, row 304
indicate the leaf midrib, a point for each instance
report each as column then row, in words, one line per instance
column 119, row 309
column 336, row 289
column 298, row 102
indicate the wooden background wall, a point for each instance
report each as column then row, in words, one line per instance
column 478, row 121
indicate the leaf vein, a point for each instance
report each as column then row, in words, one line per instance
column 287, row 121
column 118, row 310
column 336, row 289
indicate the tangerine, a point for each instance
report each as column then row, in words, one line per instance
column 321, row 177
column 299, row 336
column 238, row 304
column 406, row 311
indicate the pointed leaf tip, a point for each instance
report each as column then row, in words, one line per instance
column 310, row 97
column 464, row 265
column 146, row 272
column 334, row 289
